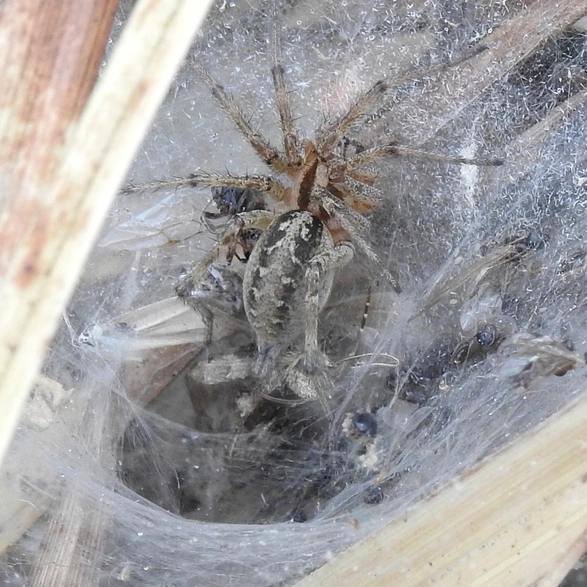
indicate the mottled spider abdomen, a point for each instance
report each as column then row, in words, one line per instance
column 274, row 282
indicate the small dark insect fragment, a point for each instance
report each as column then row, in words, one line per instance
column 359, row 425
column 374, row 495
column 475, row 348
column 487, row 336
column 575, row 261
column 533, row 240
column 232, row 200
column 531, row 357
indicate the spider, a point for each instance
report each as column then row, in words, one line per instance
column 289, row 273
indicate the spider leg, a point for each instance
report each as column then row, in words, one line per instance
column 365, row 249
column 328, row 136
column 290, row 136
column 219, row 290
column 337, row 256
column 354, row 224
column 212, row 216
column 255, row 219
column 381, row 152
column 306, row 376
column 261, row 183
column 366, row 174
column 347, row 219
column 263, row 148
column 358, row 195
column 333, row 205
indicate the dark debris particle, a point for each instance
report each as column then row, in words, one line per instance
column 364, row 424
column 487, row 336
column 374, row 495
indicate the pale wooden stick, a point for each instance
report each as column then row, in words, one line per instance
column 510, row 43
column 71, row 554
column 58, row 186
column 79, row 180
column 518, row 519
column 526, row 150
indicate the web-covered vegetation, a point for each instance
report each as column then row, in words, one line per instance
column 159, row 435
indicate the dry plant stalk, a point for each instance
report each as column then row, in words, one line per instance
column 59, row 172
column 75, row 534
column 527, row 149
column 49, row 55
column 520, row 519
column 506, row 47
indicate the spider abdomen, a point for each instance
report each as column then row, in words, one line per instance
column 275, row 278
